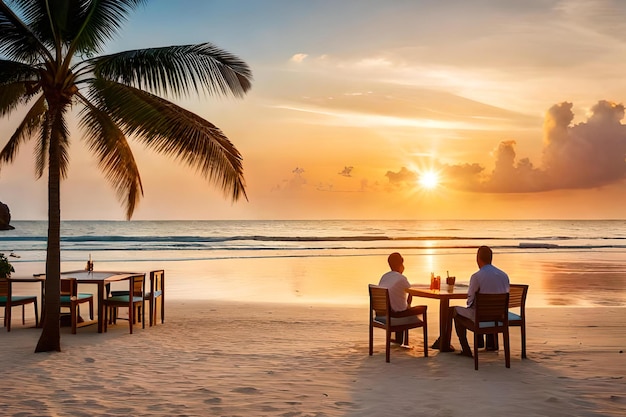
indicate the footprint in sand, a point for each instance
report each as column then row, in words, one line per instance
column 214, row 400
column 246, row 390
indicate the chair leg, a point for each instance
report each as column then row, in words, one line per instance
column 425, row 341
column 475, row 351
column 162, row 307
column 8, row 318
column 371, row 339
column 91, row 309
column 387, row 343
column 23, row 314
column 106, row 320
column 507, row 348
column 73, row 315
column 523, row 329
column 36, row 314
column 152, row 302
column 131, row 317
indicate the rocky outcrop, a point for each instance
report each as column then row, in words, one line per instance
column 5, row 217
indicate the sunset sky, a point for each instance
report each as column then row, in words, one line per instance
column 516, row 107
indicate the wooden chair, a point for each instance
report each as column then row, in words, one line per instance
column 491, row 317
column 70, row 298
column 517, row 299
column 382, row 317
column 8, row 301
column 133, row 299
column 156, row 293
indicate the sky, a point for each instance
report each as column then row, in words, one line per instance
column 513, row 109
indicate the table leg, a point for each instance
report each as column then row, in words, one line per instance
column 100, row 307
column 43, row 303
column 445, row 328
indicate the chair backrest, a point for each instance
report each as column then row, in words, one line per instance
column 4, row 287
column 137, row 286
column 517, row 295
column 492, row 308
column 379, row 300
column 157, row 280
column 68, row 286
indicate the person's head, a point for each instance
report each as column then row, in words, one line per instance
column 484, row 256
column 396, row 263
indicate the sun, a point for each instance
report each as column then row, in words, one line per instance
column 429, row 180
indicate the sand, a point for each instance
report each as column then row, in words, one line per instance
column 216, row 358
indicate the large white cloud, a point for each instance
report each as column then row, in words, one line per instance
column 587, row 155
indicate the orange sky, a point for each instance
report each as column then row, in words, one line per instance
column 516, row 105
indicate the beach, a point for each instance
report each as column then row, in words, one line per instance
column 279, row 327
column 216, row 358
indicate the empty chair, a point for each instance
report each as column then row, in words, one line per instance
column 156, row 293
column 8, row 301
column 491, row 317
column 71, row 299
column 133, row 299
column 517, row 299
column 382, row 317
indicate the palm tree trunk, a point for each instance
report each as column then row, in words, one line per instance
column 50, row 339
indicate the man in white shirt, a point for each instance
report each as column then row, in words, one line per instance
column 397, row 284
column 487, row 280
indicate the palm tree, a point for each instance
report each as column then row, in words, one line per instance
column 49, row 65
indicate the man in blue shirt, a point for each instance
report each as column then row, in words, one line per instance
column 487, row 280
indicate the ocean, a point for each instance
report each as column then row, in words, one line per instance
column 565, row 262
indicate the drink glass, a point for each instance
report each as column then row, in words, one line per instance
column 450, row 281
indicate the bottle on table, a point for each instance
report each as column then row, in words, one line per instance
column 89, row 264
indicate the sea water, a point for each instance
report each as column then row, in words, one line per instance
column 565, row 262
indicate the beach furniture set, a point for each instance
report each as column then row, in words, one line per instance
column 134, row 299
column 495, row 314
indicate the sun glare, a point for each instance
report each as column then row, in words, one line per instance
column 429, row 180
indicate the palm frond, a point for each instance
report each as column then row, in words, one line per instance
column 173, row 131
column 17, row 40
column 11, row 97
column 100, row 21
column 177, row 70
column 18, row 83
column 28, row 126
column 115, row 158
column 12, row 71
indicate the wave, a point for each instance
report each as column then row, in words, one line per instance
column 267, row 243
column 261, row 238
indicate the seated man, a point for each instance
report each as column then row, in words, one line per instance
column 487, row 280
column 397, row 284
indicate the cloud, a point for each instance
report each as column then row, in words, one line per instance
column 402, row 177
column 298, row 58
column 346, row 172
column 586, row 155
column 590, row 154
column 295, row 183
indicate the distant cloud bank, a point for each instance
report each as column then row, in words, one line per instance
column 586, row 155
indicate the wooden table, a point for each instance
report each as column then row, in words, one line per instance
column 444, row 296
column 100, row 278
